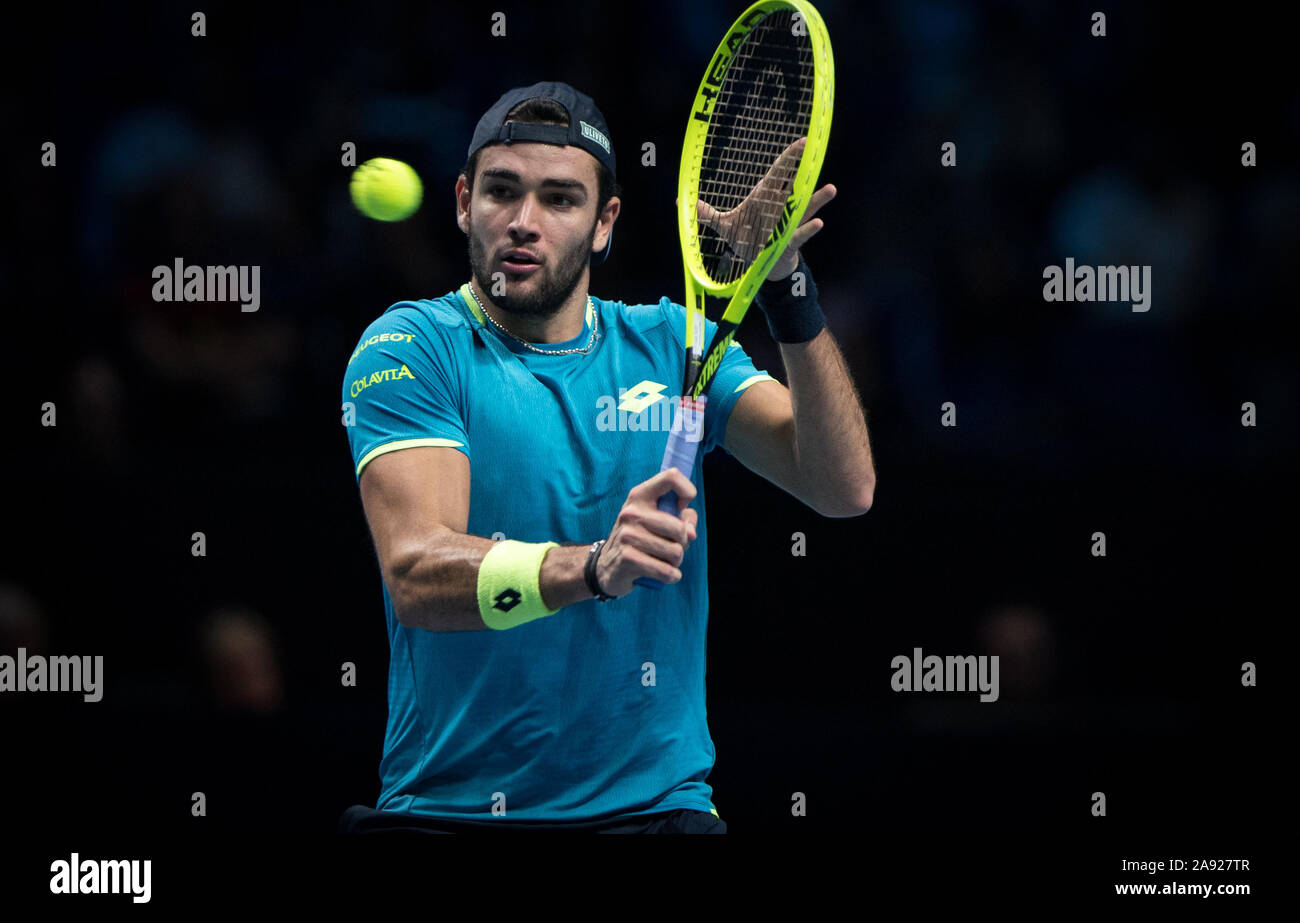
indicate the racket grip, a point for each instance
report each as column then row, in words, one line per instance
column 679, row 454
column 667, row 504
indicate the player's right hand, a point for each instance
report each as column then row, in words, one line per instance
column 646, row 542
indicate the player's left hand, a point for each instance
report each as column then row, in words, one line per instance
column 770, row 191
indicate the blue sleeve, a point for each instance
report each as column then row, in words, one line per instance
column 403, row 388
column 735, row 373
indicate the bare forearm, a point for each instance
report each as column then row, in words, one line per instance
column 437, row 589
column 832, row 448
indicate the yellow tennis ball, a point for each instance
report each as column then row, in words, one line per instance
column 386, row 190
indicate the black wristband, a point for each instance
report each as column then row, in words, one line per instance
column 791, row 318
column 589, row 572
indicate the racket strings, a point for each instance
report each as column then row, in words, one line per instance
column 764, row 105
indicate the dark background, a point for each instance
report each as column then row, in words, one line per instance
column 1119, row 674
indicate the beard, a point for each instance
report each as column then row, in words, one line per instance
column 550, row 291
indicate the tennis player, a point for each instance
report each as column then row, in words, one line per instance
column 507, row 442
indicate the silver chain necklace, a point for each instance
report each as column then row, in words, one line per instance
column 595, row 325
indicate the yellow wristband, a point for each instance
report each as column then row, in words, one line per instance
column 509, row 584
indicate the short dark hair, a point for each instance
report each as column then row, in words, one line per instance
column 549, row 112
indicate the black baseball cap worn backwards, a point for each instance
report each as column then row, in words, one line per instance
column 586, row 128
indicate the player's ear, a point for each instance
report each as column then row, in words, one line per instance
column 600, row 251
column 462, row 204
column 605, row 224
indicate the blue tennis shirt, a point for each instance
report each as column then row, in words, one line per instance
column 597, row 711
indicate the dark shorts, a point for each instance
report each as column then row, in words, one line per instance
column 360, row 819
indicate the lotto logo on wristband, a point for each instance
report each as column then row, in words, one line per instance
column 507, row 600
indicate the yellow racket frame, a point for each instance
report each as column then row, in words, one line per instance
column 742, row 290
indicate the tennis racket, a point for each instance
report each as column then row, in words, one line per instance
column 755, row 141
